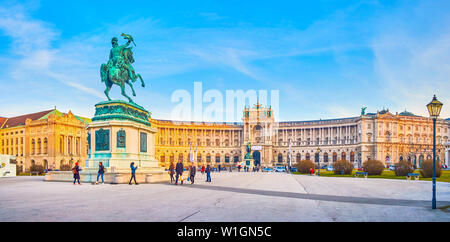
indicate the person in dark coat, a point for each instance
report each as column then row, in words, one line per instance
column 192, row 171
column 76, row 174
column 208, row 173
column 179, row 170
column 171, row 172
column 133, row 173
column 101, row 172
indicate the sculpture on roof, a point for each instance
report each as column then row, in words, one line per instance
column 363, row 111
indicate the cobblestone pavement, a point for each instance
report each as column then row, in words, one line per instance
column 229, row 197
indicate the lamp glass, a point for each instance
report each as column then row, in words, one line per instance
column 434, row 107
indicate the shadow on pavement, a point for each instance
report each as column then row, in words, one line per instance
column 328, row 198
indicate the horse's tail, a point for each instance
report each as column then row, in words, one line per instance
column 104, row 72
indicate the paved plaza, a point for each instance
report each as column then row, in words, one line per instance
column 230, row 197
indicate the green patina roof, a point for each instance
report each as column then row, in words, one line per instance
column 60, row 114
column 406, row 113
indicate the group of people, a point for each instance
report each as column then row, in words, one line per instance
column 178, row 170
column 175, row 172
column 101, row 172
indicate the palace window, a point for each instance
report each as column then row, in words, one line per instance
column 217, row 158
column 280, row 158
column 45, row 145
column 33, row 147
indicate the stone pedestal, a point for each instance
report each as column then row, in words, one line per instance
column 120, row 133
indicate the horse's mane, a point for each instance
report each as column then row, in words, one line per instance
column 128, row 54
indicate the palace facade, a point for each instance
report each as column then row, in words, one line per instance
column 48, row 138
column 383, row 136
column 52, row 138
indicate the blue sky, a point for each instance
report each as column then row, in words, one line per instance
column 327, row 58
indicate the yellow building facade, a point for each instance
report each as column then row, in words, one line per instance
column 383, row 136
column 48, row 138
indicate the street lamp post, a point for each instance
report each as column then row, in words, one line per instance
column 318, row 160
column 434, row 109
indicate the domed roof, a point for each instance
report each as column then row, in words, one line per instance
column 406, row 113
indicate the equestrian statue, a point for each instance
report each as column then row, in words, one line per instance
column 119, row 70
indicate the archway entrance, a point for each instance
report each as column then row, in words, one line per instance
column 256, row 158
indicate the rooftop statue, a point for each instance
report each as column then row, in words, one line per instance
column 119, row 70
column 363, row 110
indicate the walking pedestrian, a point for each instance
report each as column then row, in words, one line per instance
column 171, row 172
column 192, row 171
column 203, row 169
column 179, row 171
column 230, row 169
column 133, row 173
column 101, row 172
column 208, row 173
column 219, row 167
column 76, row 173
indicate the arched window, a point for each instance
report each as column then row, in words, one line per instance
column 227, row 158
column 33, row 147
column 298, row 157
column 217, row 142
column 343, row 156
column 280, row 158
column 172, row 158
column 163, row 159
column 39, row 145
column 236, row 159
column 217, row 158
column 180, row 157
column 308, row 157
column 352, row 156
column 334, row 156
column 208, row 158
column 45, row 145
column 325, row 157
column 199, row 158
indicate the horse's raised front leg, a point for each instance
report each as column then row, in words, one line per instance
column 142, row 80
